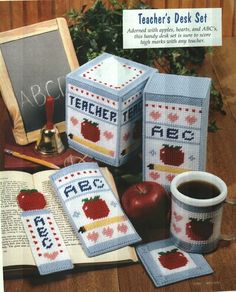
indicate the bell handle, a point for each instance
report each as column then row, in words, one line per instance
column 49, row 112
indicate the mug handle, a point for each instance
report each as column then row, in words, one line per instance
column 231, row 237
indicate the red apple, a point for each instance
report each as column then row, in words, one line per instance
column 147, row 203
column 31, row 199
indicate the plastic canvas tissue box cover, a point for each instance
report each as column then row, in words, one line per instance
column 175, row 122
column 104, row 108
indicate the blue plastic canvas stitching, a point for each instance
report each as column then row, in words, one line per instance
column 175, row 120
column 92, row 208
column 104, row 108
column 46, row 243
column 167, row 264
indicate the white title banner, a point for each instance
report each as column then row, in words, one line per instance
column 164, row 28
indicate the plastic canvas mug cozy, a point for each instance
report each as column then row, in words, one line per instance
column 196, row 217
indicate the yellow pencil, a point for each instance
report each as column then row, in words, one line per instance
column 102, row 222
column 92, row 145
column 32, row 159
column 166, row 168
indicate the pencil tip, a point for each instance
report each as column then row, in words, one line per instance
column 56, row 167
column 7, row 151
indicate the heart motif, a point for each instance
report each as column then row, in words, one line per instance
column 170, row 177
column 122, row 228
column 172, row 117
column 93, row 236
column 74, row 121
column 51, row 256
column 108, row 135
column 177, row 217
column 126, row 136
column 155, row 115
column 176, row 228
column 191, row 120
column 107, row 231
column 154, row 175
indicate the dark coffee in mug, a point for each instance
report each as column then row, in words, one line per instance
column 196, row 211
column 198, row 189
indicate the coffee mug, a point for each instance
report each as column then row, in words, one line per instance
column 196, row 211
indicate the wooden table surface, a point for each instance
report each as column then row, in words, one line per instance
column 221, row 161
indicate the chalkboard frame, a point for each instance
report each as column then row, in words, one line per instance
column 21, row 136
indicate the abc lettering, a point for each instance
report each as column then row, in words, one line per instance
column 83, row 186
column 43, row 232
column 172, row 133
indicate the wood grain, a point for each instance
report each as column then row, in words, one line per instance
column 61, row 7
column 228, row 17
column 11, row 103
column 46, row 9
column 20, row 13
column 67, row 43
column 3, row 121
column 213, row 3
column 173, row 4
column 27, row 31
column 186, row 3
column 234, row 22
column 221, row 161
column 5, row 13
column 199, row 3
column 158, row 4
column 31, row 12
column 8, row 94
column 6, row 86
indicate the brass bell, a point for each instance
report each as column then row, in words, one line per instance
column 49, row 142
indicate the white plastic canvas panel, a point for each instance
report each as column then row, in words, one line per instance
column 104, row 108
column 175, row 122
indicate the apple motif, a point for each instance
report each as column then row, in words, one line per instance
column 31, row 199
column 90, row 130
column 199, row 229
column 172, row 155
column 95, row 208
column 147, row 204
column 172, row 259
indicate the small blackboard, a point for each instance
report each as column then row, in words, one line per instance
column 34, row 61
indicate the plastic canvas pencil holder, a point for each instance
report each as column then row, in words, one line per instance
column 104, row 108
column 175, row 121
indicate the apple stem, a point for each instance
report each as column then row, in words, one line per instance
column 140, row 190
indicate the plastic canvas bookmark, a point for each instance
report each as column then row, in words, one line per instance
column 93, row 210
column 167, row 264
column 46, row 243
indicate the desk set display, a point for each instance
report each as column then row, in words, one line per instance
column 114, row 107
